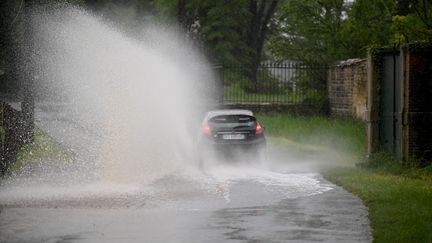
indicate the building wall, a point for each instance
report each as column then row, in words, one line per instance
column 347, row 87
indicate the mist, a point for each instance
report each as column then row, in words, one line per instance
column 141, row 95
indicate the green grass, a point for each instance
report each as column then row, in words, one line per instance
column 400, row 207
column 342, row 134
column 322, row 157
column 44, row 148
column 383, row 162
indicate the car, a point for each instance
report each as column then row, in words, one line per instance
column 231, row 135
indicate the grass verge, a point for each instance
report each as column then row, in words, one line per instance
column 341, row 134
column 44, row 148
column 400, row 207
column 399, row 197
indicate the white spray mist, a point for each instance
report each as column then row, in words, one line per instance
column 141, row 96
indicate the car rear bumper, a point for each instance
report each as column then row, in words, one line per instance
column 209, row 147
column 255, row 141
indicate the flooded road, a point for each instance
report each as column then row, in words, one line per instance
column 277, row 202
column 298, row 207
column 130, row 105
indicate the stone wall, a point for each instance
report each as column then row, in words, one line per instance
column 347, row 87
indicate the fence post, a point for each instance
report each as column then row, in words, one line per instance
column 218, row 70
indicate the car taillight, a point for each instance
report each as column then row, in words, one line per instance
column 259, row 129
column 206, row 129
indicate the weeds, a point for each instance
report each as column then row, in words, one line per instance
column 385, row 163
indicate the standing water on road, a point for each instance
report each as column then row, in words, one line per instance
column 128, row 108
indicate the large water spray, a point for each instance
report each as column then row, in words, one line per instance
column 141, row 95
column 134, row 105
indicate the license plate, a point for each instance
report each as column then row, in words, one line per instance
column 233, row 136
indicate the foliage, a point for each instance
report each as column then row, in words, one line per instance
column 44, row 148
column 310, row 31
column 311, row 77
column 331, row 30
column 385, row 162
column 222, row 28
column 233, row 31
column 129, row 13
column 303, row 30
column 414, row 21
column 368, row 23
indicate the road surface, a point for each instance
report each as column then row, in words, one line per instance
column 285, row 200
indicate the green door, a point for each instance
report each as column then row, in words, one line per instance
column 390, row 105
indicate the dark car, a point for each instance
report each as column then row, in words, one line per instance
column 231, row 135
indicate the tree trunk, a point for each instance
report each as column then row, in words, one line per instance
column 261, row 14
column 181, row 13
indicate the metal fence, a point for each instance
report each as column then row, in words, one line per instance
column 275, row 83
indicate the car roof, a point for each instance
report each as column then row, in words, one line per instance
column 214, row 113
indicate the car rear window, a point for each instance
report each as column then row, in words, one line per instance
column 232, row 119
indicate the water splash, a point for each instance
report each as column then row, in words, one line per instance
column 129, row 109
column 140, row 95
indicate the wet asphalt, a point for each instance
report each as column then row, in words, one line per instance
column 286, row 200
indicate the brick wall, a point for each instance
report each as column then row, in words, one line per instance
column 347, row 87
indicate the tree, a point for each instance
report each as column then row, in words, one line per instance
column 413, row 21
column 234, row 31
column 329, row 30
column 369, row 23
column 227, row 31
column 260, row 23
column 310, row 31
column 223, row 29
column 129, row 13
column 11, row 28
